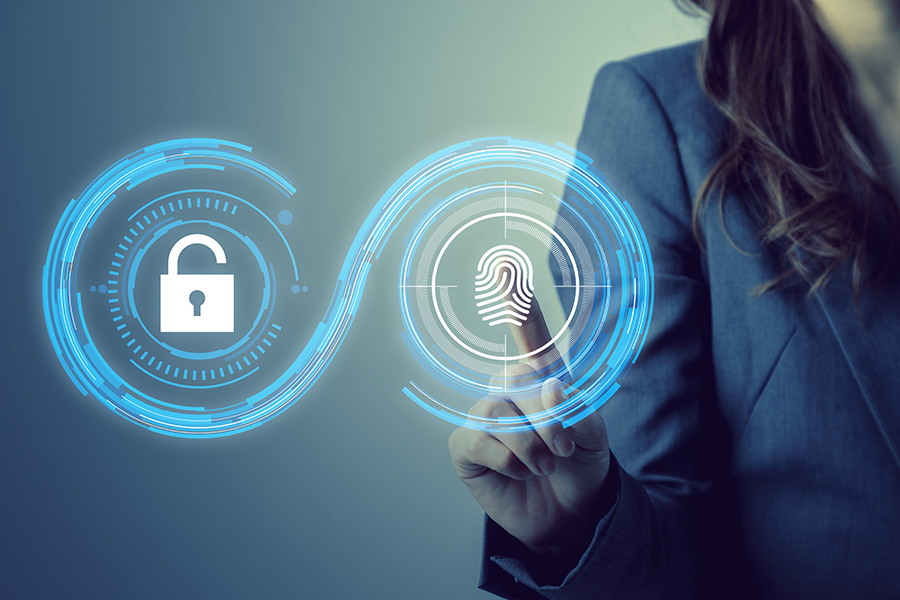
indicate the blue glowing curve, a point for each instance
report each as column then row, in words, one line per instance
column 92, row 375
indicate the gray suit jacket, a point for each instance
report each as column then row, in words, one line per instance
column 756, row 439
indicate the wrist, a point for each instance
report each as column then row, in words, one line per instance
column 579, row 534
column 550, row 564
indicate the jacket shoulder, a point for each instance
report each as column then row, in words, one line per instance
column 668, row 67
column 668, row 80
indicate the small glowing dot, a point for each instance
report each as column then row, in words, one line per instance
column 93, row 288
column 285, row 217
column 295, row 288
column 305, row 289
column 102, row 289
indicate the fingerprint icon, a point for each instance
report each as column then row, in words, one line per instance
column 504, row 286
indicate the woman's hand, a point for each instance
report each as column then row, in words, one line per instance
column 542, row 486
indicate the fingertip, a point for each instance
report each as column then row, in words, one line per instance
column 564, row 444
column 547, row 465
column 520, row 473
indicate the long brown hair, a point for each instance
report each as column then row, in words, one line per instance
column 796, row 141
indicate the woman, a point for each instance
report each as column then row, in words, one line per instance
column 754, row 449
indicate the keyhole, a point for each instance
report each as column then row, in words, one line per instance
column 197, row 298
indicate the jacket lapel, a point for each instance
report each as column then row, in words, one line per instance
column 870, row 341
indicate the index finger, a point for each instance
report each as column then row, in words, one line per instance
column 534, row 336
column 533, row 333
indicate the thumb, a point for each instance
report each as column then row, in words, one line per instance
column 587, row 433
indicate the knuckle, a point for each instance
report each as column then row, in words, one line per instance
column 475, row 444
column 453, row 440
column 506, row 460
column 487, row 407
column 477, row 409
column 496, row 408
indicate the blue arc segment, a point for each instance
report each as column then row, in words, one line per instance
column 600, row 356
column 91, row 373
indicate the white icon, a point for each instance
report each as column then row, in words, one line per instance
column 195, row 303
column 505, row 278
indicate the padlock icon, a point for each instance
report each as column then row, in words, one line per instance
column 195, row 303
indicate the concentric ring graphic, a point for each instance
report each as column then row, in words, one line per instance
column 438, row 309
column 603, row 268
column 605, row 339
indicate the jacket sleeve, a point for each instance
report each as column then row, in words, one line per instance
column 647, row 544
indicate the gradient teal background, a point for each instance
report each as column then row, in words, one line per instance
column 350, row 494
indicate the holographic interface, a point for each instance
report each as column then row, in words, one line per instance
column 170, row 288
column 493, row 213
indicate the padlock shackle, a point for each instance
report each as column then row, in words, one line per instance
column 190, row 240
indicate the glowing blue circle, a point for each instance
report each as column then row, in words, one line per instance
column 69, row 334
column 285, row 217
column 295, row 288
column 624, row 343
